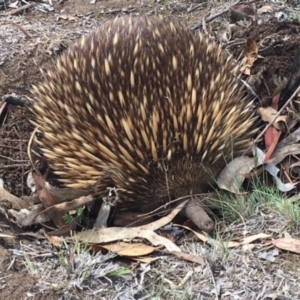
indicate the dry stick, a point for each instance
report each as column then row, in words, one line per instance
column 202, row 195
column 11, row 159
column 20, row 9
column 21, row 156
column 209, row 19
column 15, row 166
column 22, row 29
column 276, row 116
column 9, row 147
column 194, row 8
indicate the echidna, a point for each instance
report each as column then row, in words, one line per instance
column 144, row 105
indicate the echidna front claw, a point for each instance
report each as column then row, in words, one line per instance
column 198, row 215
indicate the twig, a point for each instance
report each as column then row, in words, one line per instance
column 195, row 7
column 211, row 18
column 11, row 159
column 22, row 29
column 119, row 10
column 276, row 116
column 21, row 156
column 15, row 166
column 20, row 9
column 204, row 26
column 9, row 147
column 202, row 196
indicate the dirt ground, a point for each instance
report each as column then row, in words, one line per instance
column 48, row 32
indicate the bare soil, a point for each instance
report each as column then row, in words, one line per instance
column 50, row 33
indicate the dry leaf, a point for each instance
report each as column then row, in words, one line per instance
column 200, row 236
column 56, row 241
column 291, row 139
column 66, row 17
column 246, row 69
column 268, row 114
column 26, row 217
column 224, row 32
column 283, row 187
column 259, row 155
column 289, row 244
column 272, row 136
column 69, row 206
column 233, row 175
column 13, row 4
column 252, row 51
column 49, row 200
column 247, row 240
column 147, row 260
column 273, row 170
column 232, row 244
column 189, row 257
column 251, row 55
column 107, row 235
column 130, row 249
column 265, row 9
column 281, row 153
column 16, row 203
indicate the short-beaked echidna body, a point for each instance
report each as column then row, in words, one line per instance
column 143, row 105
